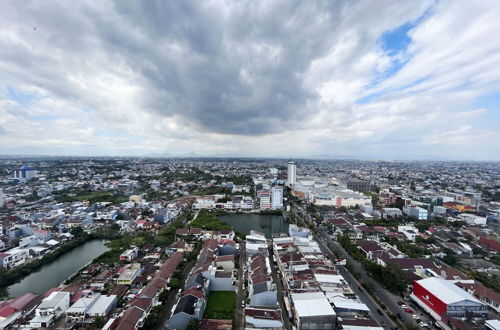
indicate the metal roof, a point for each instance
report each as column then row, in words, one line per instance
column 446, row 291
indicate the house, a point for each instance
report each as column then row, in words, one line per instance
column 85, row 309
column 13, row 309
column 263, row 318
column 129, row 254
column 190, row 306
column 484, row 294
column 50, row 309
column 129, row 274
column 225, row 262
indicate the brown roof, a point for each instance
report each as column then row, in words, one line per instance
column 410, row 263
column 261, row 313
column 210, row 324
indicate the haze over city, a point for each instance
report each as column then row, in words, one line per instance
column 316, row 79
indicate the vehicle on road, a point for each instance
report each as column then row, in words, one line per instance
column 416, row 317
column 409, row 310
column 404, row 306
column 243, row 304
column 423, row 325
column 379, row 311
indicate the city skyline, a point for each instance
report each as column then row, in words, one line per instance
column 345, row 80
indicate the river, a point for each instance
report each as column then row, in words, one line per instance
column 265, row 223
column 52, row 274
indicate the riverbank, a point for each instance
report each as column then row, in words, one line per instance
column 12, row 276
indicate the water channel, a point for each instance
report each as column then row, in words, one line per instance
column 265, row 223
column 52, row 274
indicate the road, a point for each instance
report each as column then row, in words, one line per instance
column 389, row 299
column 172, row 298
column 239, row 319
column 280, row 292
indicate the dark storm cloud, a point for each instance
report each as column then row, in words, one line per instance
column 239, row 69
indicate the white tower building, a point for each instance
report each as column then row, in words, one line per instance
column 277, row 198
column 1, row 198
column 292, row 173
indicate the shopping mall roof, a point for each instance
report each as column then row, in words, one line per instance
column 446, row 291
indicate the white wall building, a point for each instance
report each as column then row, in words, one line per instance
column 472, row 219
column 415, row 211
column 50, row 309
column 292, row 173
column 277, row 198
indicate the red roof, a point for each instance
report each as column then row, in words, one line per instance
column 7, row 311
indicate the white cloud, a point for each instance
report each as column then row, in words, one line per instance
column 277, row 78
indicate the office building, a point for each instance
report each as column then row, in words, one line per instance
column 24, row 173
column 277, row 198
column 292, row 173
column 359, row 185
column 265, row 199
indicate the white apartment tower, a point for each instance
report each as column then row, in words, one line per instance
column 1, row 198
column 292, row 173
column 277, row 198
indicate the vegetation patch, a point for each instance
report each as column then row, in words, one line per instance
column 221, row 305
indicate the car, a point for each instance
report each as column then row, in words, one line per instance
column 379, row 311
column 404, row 306
column 409, row 310
column 400, row 303
column 423, row 325
column 416, row 317
column 243, row 304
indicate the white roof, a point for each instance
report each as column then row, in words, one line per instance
column 102, row 304
column 314, row 307
column 351, row 305
column 493, row 324
column 446, row 291
column 328, row 278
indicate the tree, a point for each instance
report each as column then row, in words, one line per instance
column 194, row 324
column 450, row 259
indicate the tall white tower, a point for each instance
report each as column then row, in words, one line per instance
column 1, row 198
column 292, row 173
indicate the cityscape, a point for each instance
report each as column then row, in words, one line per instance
column 144, row 243
column 249, row 165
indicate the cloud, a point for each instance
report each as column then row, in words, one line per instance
column 246, row 78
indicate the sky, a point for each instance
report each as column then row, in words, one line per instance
column 303, row 79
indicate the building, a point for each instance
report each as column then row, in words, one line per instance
column 13, row 258
column 472, row 219
column 359, row 185
column 265, row 199
column 441, row 298
column 416, row 212
column 129, row 274
column 292, row 173
column 1, row 198
column 89, row 307
column 276, row 198
column 50, row 309
column 24, row 173
column 130, row 254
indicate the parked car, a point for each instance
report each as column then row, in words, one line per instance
column 423, row 325
column 416, row 317
column 404, row 306
column 379, row 311
column 409, row 310
column 400, row 303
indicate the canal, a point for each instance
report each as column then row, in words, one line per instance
column 52, row 274
column 265, row 223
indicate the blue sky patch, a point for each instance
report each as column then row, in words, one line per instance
column 21, row 97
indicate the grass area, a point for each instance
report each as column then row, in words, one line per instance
column 209, row 220
column 221, row 305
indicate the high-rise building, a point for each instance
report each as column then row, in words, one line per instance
column 265, row 199
column 359, row 185
column 1, row 198
column 277, row 197
column 292, row 173
column 24, row 173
